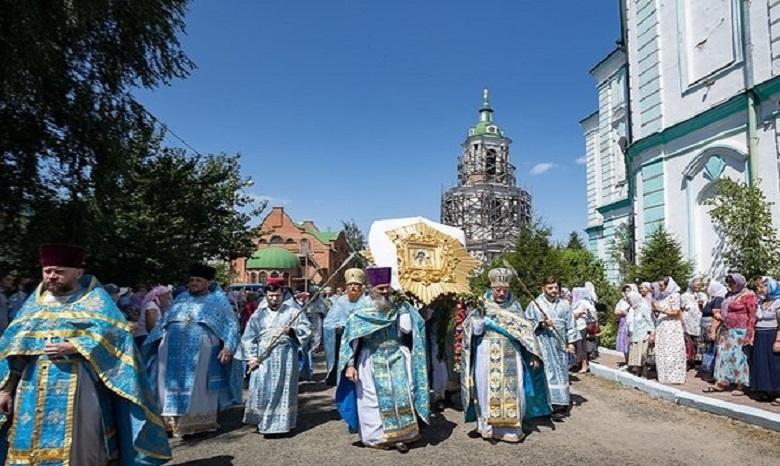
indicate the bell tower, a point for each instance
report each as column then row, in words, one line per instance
column 486, row 202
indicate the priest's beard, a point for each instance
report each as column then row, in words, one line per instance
column 383, row 303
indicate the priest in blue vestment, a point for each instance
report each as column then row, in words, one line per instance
column 73, row 390
column 557, row 332
column 502, row 379
column 333, row 326
column 385, row 385
column 270, row 344
column 189, row 356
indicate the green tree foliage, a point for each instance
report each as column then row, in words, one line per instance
column 535, row 257
column 574, row 241
column 356, row 240
column 621, row 251
column 661, row 256
column 165, row 212
column 67, row 119
column 745, row 219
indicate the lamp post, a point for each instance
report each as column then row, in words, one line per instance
column 305, row 252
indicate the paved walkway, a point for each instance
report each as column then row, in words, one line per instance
column 691, row 394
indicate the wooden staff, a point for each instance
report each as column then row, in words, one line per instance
column 538, row 304
column 300, row 312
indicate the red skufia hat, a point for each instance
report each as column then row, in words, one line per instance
column 61, row 255
column 274, row 281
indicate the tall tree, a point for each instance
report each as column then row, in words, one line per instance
column 67, row 119
column 165, row 211
column 660, row 256
column 575, row 242
column 356, row 240
column 744, row 217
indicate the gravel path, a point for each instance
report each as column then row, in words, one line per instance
column 609, row 425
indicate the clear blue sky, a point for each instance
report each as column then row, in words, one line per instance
column 357, row 109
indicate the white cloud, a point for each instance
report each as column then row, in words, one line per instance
column 581, row 160
column 540, row 168
column 272, row 201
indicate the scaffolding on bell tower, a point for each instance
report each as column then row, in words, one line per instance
column 486, row 202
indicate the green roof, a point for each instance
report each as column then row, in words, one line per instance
column 324, row 237
column 273, row 258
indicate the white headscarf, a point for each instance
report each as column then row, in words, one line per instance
column 716, row 290
column 592, row 289
column 671, row 288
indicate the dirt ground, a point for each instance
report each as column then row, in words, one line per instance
column 609, row 425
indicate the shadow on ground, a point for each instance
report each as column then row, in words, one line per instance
column 213, row 461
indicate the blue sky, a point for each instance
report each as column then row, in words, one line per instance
column 357, row 109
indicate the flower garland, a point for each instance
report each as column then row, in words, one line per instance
column 464, row 302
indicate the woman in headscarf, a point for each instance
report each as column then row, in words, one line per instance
column 622, row 308
column 646, row 290
column 716, row 292
column 152, row 307
column 669, row 334
column 640, row 329
column 692, row 301
column 765, row 357
column 584, row 311
column 737, row 318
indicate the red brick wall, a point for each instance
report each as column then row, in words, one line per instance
column 327, row 256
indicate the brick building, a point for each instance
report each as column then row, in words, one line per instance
column 293, row 251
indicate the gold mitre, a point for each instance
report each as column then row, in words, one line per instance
column 355, row 276
column 500, row 277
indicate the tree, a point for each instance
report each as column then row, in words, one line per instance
column 621, row 251
column 744, row 216
column 535, row 257
column 166, row 211
column 67, row 118
column 574, row 241
column 356, row 240
column 661, row 256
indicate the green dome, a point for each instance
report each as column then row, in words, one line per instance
column 486, row 128
column 273, row 258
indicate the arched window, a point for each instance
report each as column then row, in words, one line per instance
column 274, row 274
column 252, row 277
column 262, row 277
column 290, row 241
column 276, row 239
column 304, row 246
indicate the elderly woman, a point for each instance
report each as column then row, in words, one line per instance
column 623, row 343
column 765, row 357
column 669, row 334
column 584, row 311
column 734, row 325
column 640, row 330
column 646, row 290
column 692, row 302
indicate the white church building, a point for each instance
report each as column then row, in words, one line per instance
column 691, row 96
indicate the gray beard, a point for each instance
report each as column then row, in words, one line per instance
column 382, row 302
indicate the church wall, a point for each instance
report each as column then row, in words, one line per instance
column 644, row 48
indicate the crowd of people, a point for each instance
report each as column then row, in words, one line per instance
column 725, row 330
column 100, row 373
